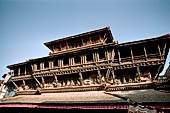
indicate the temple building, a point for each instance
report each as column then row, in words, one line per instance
column 91, row 61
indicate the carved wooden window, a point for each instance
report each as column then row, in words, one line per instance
column 95, row 39
column 89, row 57
column 102, row 55
column 66, row 61
column 125, row 54
column 38, row 66
column 55, row 62
column 46, row 64
column 77, row 59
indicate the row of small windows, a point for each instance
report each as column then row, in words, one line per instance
column 121, row 53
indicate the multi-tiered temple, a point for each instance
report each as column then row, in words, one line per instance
column 89, row 61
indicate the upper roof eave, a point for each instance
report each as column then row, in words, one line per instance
column 80, row 35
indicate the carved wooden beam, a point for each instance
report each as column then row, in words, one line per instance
column 14, row 84
column 37, row 81
column 158, row 71
column 164, row 49
column 159, row 52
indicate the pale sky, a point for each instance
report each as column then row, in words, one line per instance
column 26, row 24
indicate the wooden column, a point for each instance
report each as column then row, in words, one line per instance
column 164, row 49
column 119, row 57
column 37, row 81
column 131, row 51
column 25, row 72
column 41, row 65
column 100, row 75
column 82, row 60
column 23, row 82
column 52, row 64
column 100, row 38
column 113, row 55
column 146, row 57
column 85, row 58
column 19, row 71
column 60, row 62
column 157, row 72
column 14, row 84
column 81, row 78
column 82, row 42
column 67, row 45
column 107, row 74
column 97, row 56
column 56, row 80
column 94, row 57
column 159, row 52
column 113, row 74
column 70, row 63
column 90, row 40
column 43, row 82
column 138, row 71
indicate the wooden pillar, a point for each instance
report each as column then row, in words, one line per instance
column 131, row 51
column 159, row 52
column 70, row 63
column 14, row 84
column 138, row 71
column 60, row 61
column 113, row 74
column 113, row 55
column 81, row 78
column 164, row 49
column 55, row 77
column 119, row 56
column 67, row 45
column 100, row 38
column 19, row 71
column 37, row 81
column 41, row 65
column 43, row 82
column 85, row 58
column 90, row 40
column 32, row 66
column 107, row 74
column 82, row 41
column 25, row 72
column 100, row 75
column 97, row 56
column 52, row 64
column 158, row 71
column 82, row 58
column 94, row 57
column 23, row 82
column 146, row 57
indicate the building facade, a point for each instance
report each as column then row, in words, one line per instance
column 91, row 61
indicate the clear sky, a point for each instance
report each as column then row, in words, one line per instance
column 26, row 24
